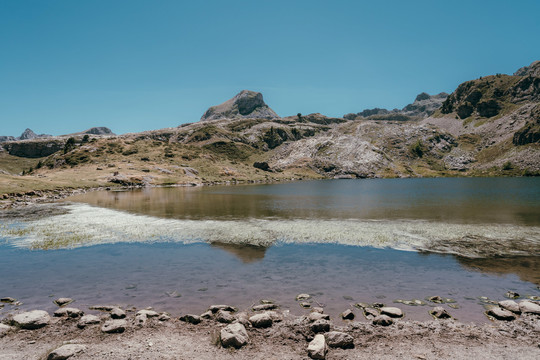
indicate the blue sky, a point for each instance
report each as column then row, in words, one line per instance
column 137, row 65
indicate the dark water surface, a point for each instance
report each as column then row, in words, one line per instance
column 188, row 277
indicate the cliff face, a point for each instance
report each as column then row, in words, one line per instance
column 34, row 148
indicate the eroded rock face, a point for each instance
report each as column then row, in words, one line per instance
column 246, row 104
column 234, row 335
column 32, row 319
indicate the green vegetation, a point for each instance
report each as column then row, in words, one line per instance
column 418, row 149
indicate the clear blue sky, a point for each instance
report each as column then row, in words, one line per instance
column 133, row 65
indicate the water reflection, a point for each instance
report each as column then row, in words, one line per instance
column 526, row 267
column 246, row 253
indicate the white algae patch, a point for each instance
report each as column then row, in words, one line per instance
column 84, row 225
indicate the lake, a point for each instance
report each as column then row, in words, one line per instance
column 342, row 241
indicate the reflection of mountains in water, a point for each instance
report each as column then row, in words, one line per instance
column 246, row 253
column 526, row 267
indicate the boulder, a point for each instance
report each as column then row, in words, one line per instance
column 224, row 317
column 510, row 305
column 88, row 320
column 317, row 347
column 66, row 351
column 192, row 319
column 439, row 312
column 501, row 314
column 63, row 301
column 117, row 313
column 114, row 326
column 339, row 339
column 262, row 320
column 34, row 319
column 68, row 312
column 347, row 315
column 234, row 335
column 530, row 307
column 383, row 320
column 320, row 326
column 393, row 312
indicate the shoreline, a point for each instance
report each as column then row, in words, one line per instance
column 271, row 332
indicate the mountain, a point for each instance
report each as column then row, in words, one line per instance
column 246, row 104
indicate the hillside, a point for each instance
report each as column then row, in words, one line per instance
column 486, row 127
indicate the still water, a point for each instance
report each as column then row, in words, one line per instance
column 343, row 241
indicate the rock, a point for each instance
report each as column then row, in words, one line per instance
column 302, row 297
column 339, row 339
column 262, row 320
column 317, row 309
column 266, row 301
column 246, row 104
column 117, row 313
column 63, row 301
column 140, row 319
column 114, row 326
column 370, row 313
column 102, row 307
column 88, row 320
column 243, row 318
column 8, row 300
column 361, row 305
column 314, row 316
column 4, row 329
column 261, row 165
column 377, row 305
column 320, row 326
column 216, row 308
column 510, row 305
column 317, row 347
column 207, row 315
column 192, row 319
column 34, row 319
column 149, row 313
column 234, row 335
column 439, row 312
column 305, row 305
column 347, row 315
column 530, row 307
column 264, row 307
column 501, row 314
column 511, row 294
column 164, row 317
column 69, row 312
column 224, row 317
column 393, row 312
column 383, row 320
column 436, row 299
column 100, row 130
column 66, row 351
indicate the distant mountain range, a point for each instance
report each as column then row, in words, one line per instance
column 28, row 134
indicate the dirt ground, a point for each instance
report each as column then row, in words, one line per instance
column 287, row 339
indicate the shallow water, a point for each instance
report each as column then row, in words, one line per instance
column 341, row 241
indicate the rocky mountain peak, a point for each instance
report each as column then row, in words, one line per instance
column 28, row 134
column 533, row 69
column 245, row 104
column 99, row 130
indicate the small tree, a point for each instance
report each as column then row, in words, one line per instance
column 70, row 144
column 85, row 138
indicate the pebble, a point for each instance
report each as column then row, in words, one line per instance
column 234, row 335
column 439, row 312
column 383, row 320
column 392, row 311
column 224, row 317
column 347, row 315
column 317, row 347
column 66, row 351
column 31, row 320
column 63, row 301
column 68, row 312
column 192, row 319
column 339, row 339
column 88, row 320
column 320, row 326
column 114, row 326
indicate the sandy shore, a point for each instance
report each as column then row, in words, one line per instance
column 288, row 337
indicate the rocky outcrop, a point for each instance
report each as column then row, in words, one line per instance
column 101, row 130
column 6, row 138
column 33, row 148
column 246, row 104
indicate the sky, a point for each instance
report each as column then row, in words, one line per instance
column 135, row 65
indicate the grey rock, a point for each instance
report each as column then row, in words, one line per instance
column 34, row 319
column 141, row 319
column 383, row 320
column 262, row 320
column 68, row 312
column 216, row 308
column 501, row 314
column 339, row 339
column 314, row 316
column 320, row 326
column 302, row 297
column 317, row 347
column 102, row 307
column 305, row 305
column 510, row 305
column 392, row 311
column 246, row 104
column 8, row 300
column 88, row 320
column 317, row 309
column 192, row 319
column 264, row 307
column 370, row 313
column 440, row 313
column 164, row 317
column 149, row 313
column 529, row 307
column 63, row 301
column 114, row 326
column 224, row 317
column 347, row 315
column 243, row 318
column 207, row 315
column 66, row 351
column 117, row 313
column 234, row 335
column 4, row 329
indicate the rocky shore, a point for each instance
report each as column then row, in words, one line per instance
column 265, row 331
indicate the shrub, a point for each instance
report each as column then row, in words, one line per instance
column 417, row 149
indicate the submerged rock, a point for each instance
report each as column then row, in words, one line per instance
column 302, row 297
column 439, row 312
column 31, row 320
column 264, row 307
column 192, row 319
column 392, row 311
column 435, row 299
column 69, row 312
column 347, row 315
column 8, row 300
column 63, row 301
column 234, row 335
column 305, row 305
column 215, row 308
column 361, row 305
column 102, row 307
column 114, row 326
column 66, row 351
column 501, row 314
column 339, row 339
column 511, row 294
column 383, row 320
column 88, row 320
column 317, row 347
